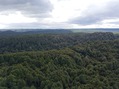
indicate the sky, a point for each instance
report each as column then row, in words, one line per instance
column 20, row 14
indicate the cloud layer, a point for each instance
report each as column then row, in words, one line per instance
column 59, row 13
column 32, row 8
column 97, row 14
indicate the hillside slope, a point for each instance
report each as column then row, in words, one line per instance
column 94, row 65
column 41, row 42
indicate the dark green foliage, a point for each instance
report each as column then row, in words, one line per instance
column 48, row 41
column 93, row 65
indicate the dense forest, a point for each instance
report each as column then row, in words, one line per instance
column 9, row 32
column 60, row 61
column 38, row 42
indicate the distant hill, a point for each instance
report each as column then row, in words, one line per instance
column 12, row 32
column 91, row 30
column 33, row 31
column 36, row 42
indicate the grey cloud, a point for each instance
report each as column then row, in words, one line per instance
column 38, row 25
column 95, row 15
column 86, row 20
column 26, row 25
column 115, row 22
column 34, row 8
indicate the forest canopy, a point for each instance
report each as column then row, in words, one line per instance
column 75, row 61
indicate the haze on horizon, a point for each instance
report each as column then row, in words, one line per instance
column 16, row 14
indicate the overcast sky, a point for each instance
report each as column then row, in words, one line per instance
column 59, row 13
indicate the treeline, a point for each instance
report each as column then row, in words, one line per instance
column 9, row 32
column 40, row 42
column 92, row 65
